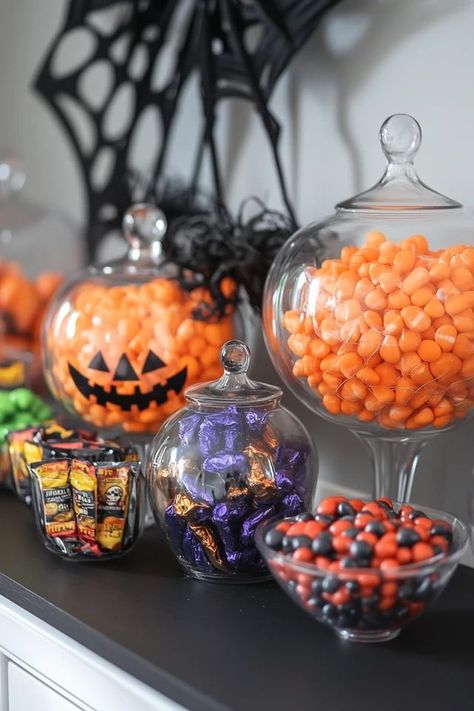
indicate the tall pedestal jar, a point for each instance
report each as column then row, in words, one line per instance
column 369, row 315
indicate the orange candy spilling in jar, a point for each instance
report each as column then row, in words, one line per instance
column 122, row 356
column 386, row 332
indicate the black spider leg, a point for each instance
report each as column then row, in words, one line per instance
column 301, row 18
column 208, row 87
column 183, row 67
column 271, row 125
column 267, row 10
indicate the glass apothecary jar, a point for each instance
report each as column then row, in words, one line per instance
column 369, row 315
column 122, row 340
column 230, row 459
column 38, row 247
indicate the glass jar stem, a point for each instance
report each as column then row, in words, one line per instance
column 394, row 464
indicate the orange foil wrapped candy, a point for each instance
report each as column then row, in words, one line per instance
column 122, row 341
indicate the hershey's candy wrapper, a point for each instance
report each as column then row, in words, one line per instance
column 194, row 552
column 175, row 527
column 191, row 510
column 188, row 428
column 226, row 464
column 251, row 523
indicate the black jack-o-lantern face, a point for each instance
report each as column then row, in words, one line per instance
column 125, row 373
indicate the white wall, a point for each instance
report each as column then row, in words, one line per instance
column 369, row 58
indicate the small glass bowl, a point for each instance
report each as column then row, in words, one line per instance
column 417, row 585
column 76, row 550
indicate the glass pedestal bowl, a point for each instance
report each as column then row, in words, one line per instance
column 369, row 315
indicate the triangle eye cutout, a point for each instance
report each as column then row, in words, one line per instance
column 98, row 363
column 153, row 362
column 124, row 370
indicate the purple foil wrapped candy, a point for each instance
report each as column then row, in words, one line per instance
column 191, row 510
column 188, row 429
column 233, row 439
column 226, row 464
column 174, row 527
column 226, row 519
column 210, row 438
column 198, row 487
column 229, row 417
column 246, row 560
column 194, row 553
column 284, row 481
column 289, row 457
column 292, row 505
column 251, row 523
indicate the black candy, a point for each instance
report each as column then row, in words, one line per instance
column 305, row 517
column 416, row 514
column 301, row 542
column 437, row 529
column 324, row 518
column 322, row 545
column 361, row 549
column 407, row 537
column 351, row 532
column 274, row 539
column 353, row 586
column 376, row 527
column 330, row 612
column 331, row 584
column 345, row 509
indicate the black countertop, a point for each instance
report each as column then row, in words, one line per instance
column 249, row 648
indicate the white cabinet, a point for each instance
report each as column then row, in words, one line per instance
column 42, row 669
column 26, row 692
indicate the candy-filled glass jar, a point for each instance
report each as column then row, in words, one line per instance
column 122, row 340
column 369, row 315
column 232, row 458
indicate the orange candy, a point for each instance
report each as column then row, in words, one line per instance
column 123, row 355
column 390, row 336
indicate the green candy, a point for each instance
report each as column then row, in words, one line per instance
column 43, row 413
column 22, row 399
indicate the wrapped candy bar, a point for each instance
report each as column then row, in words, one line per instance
column 56, row 441
column 87, row 510
column 231, row 459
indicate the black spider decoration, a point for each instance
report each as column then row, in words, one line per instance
column 240, row 48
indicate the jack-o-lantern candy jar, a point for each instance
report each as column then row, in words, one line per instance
column 122, row 340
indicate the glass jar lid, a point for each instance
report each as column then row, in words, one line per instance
column 144, row 227
column 400, row 187
column 234, row 386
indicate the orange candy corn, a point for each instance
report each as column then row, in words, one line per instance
column 390, row 336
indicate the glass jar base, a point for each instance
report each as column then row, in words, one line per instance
column 228, row 579
column 367, row 636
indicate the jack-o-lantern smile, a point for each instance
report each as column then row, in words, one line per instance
column 124, row 372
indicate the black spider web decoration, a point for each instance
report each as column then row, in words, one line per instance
column 214, row 39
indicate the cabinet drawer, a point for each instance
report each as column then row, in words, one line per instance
column 26, row 692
